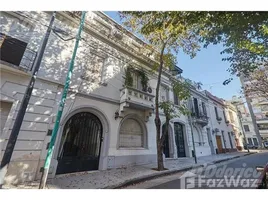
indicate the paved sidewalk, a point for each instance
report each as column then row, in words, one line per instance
column 115, row 178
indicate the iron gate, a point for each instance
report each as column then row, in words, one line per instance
column 80, row 144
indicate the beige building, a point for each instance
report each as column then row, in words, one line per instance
column 246, row 121
column 223, row 137
column 233, row 121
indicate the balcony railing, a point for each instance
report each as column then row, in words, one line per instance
column 200, row 118
column 136, row 99
column 23, row 61
column 27, row 61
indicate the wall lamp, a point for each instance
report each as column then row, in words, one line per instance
column 116, row 115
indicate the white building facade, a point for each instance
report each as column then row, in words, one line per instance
column 118, row 116
column 259, row 104
column 223, row 137
column 108, row 119
column 247, row 124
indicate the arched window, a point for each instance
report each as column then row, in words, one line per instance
column 198, row 139
column 132, row 134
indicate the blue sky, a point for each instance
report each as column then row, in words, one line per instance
column 207, row 67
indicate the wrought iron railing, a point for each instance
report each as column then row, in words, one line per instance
column 200, row 115
column 28, row 59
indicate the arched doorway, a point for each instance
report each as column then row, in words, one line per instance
column 80, row 144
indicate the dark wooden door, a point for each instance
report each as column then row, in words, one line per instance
column 80, row 144
column 166, row 143
column 179, row 139
column 219, row 143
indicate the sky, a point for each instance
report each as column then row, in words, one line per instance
column 207, row 67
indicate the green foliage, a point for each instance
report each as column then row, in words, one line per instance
column 144, row 79
column 158, row 28
column 181, row 89
column 258, row 85
column 128, row 77
column 243, row 34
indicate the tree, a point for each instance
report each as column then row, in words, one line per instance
column 258, row 84
column 159, row 32
column 244, row 35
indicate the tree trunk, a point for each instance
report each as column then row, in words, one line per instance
column 160, row 163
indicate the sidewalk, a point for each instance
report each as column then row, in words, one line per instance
column 115, row 178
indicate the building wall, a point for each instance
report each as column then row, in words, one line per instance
column 101, row 97
column 246, row 120
column 221, row 126
column 259, row 107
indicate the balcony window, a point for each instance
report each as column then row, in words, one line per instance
column 246, row 127
column 204, row 108
column 137, row 81
column 15, row 52
column 195, row 107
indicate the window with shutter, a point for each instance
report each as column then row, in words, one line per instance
column 196, row 109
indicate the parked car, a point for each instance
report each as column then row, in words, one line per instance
column 252, row 146
column 263, row 179
column 265, row 144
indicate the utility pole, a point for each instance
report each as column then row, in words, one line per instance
column 17, row 125
column 61, row 107
column 192, row 133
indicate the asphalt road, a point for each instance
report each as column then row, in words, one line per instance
column 235, row 174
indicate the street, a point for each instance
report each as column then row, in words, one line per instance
column 241, row 179
column 234, row 174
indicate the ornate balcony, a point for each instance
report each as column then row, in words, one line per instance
column 136, row 99
column 200, row 118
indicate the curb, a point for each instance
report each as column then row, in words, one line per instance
column 165, row 173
